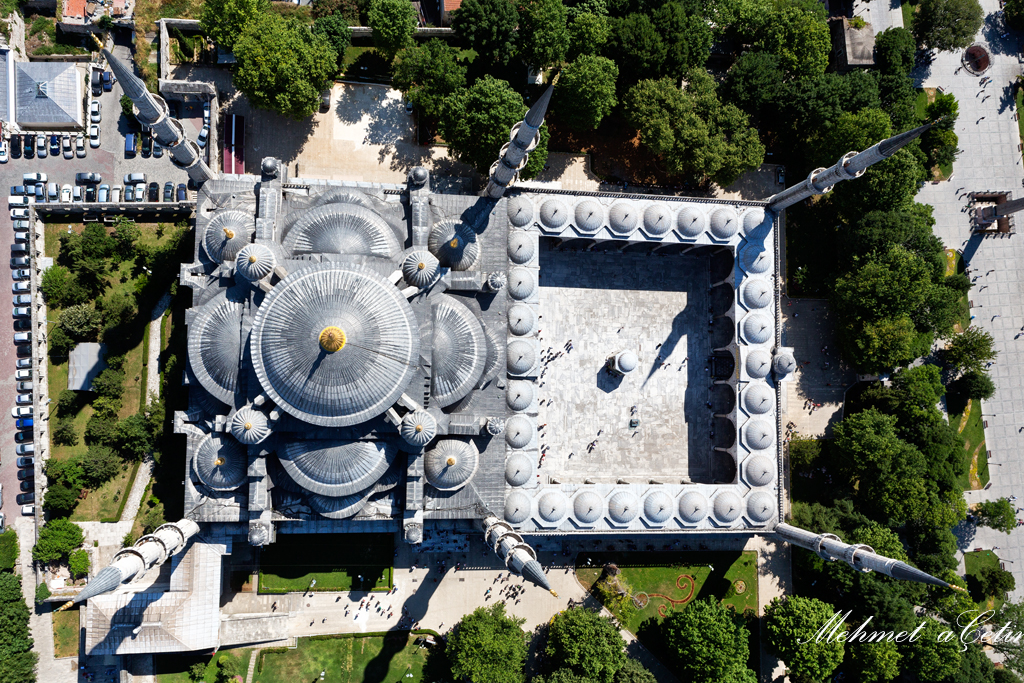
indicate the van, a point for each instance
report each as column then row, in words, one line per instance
column 131, row 145
column 18, row 201
column 52, row 192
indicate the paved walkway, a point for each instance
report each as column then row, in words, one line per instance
column 40, row 622
column 155, row 346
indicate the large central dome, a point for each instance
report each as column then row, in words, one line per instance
column 335, row 344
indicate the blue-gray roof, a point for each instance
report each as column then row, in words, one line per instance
column 48, row 93
column 85, row 363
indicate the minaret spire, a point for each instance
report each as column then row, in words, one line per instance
column 852, row 165
column 514, row 551
column 524, row 137
column 153, row 112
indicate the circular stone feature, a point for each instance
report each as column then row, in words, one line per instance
column 760, row 470
column 249, row 426
column 623, row 217
column 519, row 395
column 756, row 293
column 760, row 506
column 521, row 357
column 657, row 219
column 623, row 507
column 658, row 506
column 255, row 262
column 758, row 328
column 517, row 507
column 495, row 425
column 521, row 319
column 691, row 221
column 522, row 283
column 454, row 243
column 758, row 398
column 759, row 363
column 589, row 216
column 521, row 247
column 728, row 506
column 520, row 211
column 519, row 431
column 451, row 464
column 551, row 506
column 627, row 361
column 518, row 469
column 587, row 507
column 371, row 365
column 553, row 214
column 758, row 434
column 420, row 268
column 693, row 506
column 418, row 428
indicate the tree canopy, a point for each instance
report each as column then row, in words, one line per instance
column 587, row 643
column 894, row 51
column 687, row 38
column 1013, row 13
column 799, row 38
column 754, row 83
column 543, row 37
column 707, row 641
column 488, row 646
column 588, row 34
column 225, row 20
column 429, row 73
column 970, row 350
column 17, row 661
column 790, row 626
column 334, row 27
column 393, row 23
column 488, row 27
column 585, row 94
column 637, row 46
column 57, row 538
column 947, row 24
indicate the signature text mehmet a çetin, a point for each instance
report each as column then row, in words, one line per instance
column 970, row 622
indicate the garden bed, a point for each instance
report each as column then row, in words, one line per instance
column 65, row 633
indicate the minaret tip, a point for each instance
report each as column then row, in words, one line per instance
column 535, row 117
column 66, row 605
column 890, row 146
column 552, row 591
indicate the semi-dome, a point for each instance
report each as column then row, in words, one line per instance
column 517, row 507
column 758, row 434
column 336, row 468
column 758, row 328
column 342, row 229
column 255, row 262
column 755, row 259
column 693, row 507
column 521, row 246
column 518, row 469
column 658, row 506
column 784, row 363
column 459, row 351
column 657, row 219
column 758, row 398
column 342, row 195
column 521, row 357
column 519, row 394
column 752, row 218
column 221, row 463
column 214, row 344
column 519, row 431
column 450, row 464
column 226, row 233
column 724, row 223
column 761, row 506
column 520, row 211
column 522, row 283
column 691, row 221
column 553, row 213
column 454, row 243
column 551, row 506
column 759, row 363
column 521, row 319
column 756, row 293
column 249, row 425
column 760, row 470
column 622, row 218
column 420, row 268
column 623, row 507
column 727, row 506
column 587, row 507
column 589, row 216
column 418, row 428
column 341, row 507
column 335, row 344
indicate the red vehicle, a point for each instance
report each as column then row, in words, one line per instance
column 233, row 142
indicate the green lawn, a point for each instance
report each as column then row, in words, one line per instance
column 974, row 562
column 908, row 15
column 174, row 668
column 65, row 633
column 105, row 503
column 336, row 562
column 1019, row 97
column 954, row 265
column 369, row 659
column 972, row 435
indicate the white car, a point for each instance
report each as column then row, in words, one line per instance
column 21, row 411
column 22, row 312
column 115, row 194
column 94, row 136
column 77, row 194
column 80, row 146
column 204, row 135
column 65, row 194
column 4, row 154
column 23, row 363
column 206, row 113
column 19, row 213
column 33, row 178
column 20, row 287
column 28, row 510
column 95, row 114
column 22, row 274
column 20, row 236
column 23, row 399
column 19, row 201
column 22, row 299
column 22, row 374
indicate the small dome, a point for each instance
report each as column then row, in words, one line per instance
column 657, row 219
column 420, row 268
column 518, row 469
column 520, row 211
column 413, row 533
column 724, row 223
column 728, row 506
column 784, row 363
column 551, row 506
column 519, row 431
column 270, row 167
column 221, row 463
column 587, row 507
column 249, row 426
column 758, row 328
column 553, row 213
column 418, row 428
column 521, row 319
column 522, row 283
column 759, row 363
column 497, row 280
column 761, row 506
column 258, row 533
column 255, row 262
column 450, row 464
column 454, row 243
column 755, row 259
column 622, row 218
column 693, row 506
column 517, row 507
column 521, row 357
column 521, row 247
column 658, row 506
column 589, row 216
column 419, row 175
column 626, row 361
column 519, row 394
column 623, row 507
column 756, row 293
column 691, row 221
column 752, row 218
column 495, row 425
column 760, row 470
column 758, row 434
column 226, row 233
column 758, row 398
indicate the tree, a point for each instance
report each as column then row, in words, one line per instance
column 706, row 640
column 791, row 624
column 944, row 107
column 225, row 20
column 587, row 643
column 488, row 646
column 543, row 38
column 996, row 582
column 99, row 465
column 57, row 538
column 109, row 384
column 877, row 661
column 42, row 593
column 64, row 433
column 9, row 550
column 935, row 654
column 118, row 309
column 133, row 438
column 393, row 23
column 127, row 108
column 634, row 672
column 1013, row 13
column 60, row 499
column 80, row 322
column 562, row 676
column 637, row 45
column 334, row 27
column 488, row 27
column 894, row 51
column 78, row 562
column 284, row 66
column 429, row 73
column 588, row 34
column 126, row 236
column 586, row 92
column 947, row 24
column 348, row 10
column 877, row 231
column 687, row 37
column 850, row 131
column 974, row 384
column 753, row 83
column 227, row 669
column 800, row 39
column 970, row 350
column 56, row 285
column 60, row 343
column 101, row 427
column 198, row 670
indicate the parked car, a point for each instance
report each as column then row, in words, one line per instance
column 25, row 499
column 29, row 485
column 54, row 145
column 158, row 150
column 19, row 248
column 154, row 192
column 16, row 372
column 4, row 154
column 206, row 113
column 94, row 136
column 80, row 146
column 25, row 449
column 21, row 411
column 22, row 337
column 104, row 194
column 28, row 510
column 88, row 178
column 131, row 145
column 21, row 236
column 97, row 83
column 40, row 195
column 134, row 178
column 65, row 194
column 147, row 145
column 33, row 178
column 23, row 363
column 69, row 151
column 29, row 145
column 90, row 193
column 20, row 225
column 95, row 112
column 19, row 213
column 18, row 191
column 129, row 193
column 21, row 261
column 23, row 399
column 204, row 136
column 22, row 274
column 24, row 423
column 27, row 461
column 52, row 192
column 41, row 146
column 19, row 287
column 24, row 386
column 15, row 147
column 21, row 311
column 23, row 437
column 115, row 193
column 108, row 81
column 168, row 192
column 325, row 100
column 19, row 201
column 22, row 325
column 76, row 195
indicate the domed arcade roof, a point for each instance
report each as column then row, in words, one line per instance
column 521, row 356
column 520, row 211
column 758, row 328
column 758, row 434
column 693, row 506
column 588, row 507
column 724, row 223
column 517, row 507
column 622, row 218
column 518, row 469
column 623, row 507
column 418, row 428
column 551, row 506
column 521, row 319
column 657, row 219
column 249, row 426
column 519, row 394
column 759, row 363
column 761, row 506
column 728, row 506
column 758, row 398
column 658, row 506
column 756, row 293
column 255, row 262
column 521, row 246
column 519, row 431
column 691, row 221
column 522, row 283
column 589, row 216
column 553, row 213
column 760, row 470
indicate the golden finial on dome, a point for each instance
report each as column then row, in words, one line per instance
column 421, row 265
column 332, row 339
column 229, row 233
column 454, row 244
column 450, row 461
column 252, row 258
column 248, row 426
column 419, row 428
column 218, row 462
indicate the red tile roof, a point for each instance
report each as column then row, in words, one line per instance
column 452, row 5
column 74, row 8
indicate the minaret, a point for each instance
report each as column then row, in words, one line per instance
column 990, row 213
column 524, row 137
column 852, row 165
column 514, row 551
column 861, row 557
column 153, row 112
column 129, row 563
